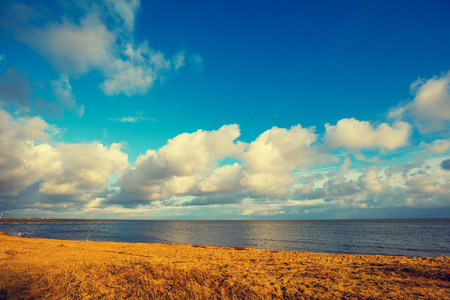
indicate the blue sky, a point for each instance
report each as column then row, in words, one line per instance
column 224, row 109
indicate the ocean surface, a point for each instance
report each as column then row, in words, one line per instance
column 407, row 237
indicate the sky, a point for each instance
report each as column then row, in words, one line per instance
column 128, row 109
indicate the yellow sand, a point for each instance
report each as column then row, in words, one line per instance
column 53, row 269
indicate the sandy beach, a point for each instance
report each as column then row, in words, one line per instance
column 55, row 269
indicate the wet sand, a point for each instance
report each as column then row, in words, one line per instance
column 55, row 269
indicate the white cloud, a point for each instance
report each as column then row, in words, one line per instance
column 126, row 11
column 431, row 105
column 370, row 181
column 84, row 167
column 101, row 38
column 131, row 119
column 353, row 134
column 429, row 184
column 274, row 155
column 438, row 146
column 178, row 60
column 185, row 165
column 80, row 171
column 22, row 161
column 72, row 48
column 222, row 180
column 430, row 108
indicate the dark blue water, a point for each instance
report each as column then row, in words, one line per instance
column 410, row 237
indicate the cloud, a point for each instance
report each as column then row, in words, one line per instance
column 274, row 155
column 430, row 108
column 333, row 188
column 63, row 92
column 94, row 35
column 126, row 11
column 438, row 146
column 371, row 182
column 131, row 119
column 213, row 199
column 431, row 105
column 2, row 57
column 187, row 164
column 225, row 179
column 416, row 184
column 353, row 134
column 428, row 185
column 445, row 164
column 178, row 60
column 23, row 161
column 72, row 172
column 83, row 168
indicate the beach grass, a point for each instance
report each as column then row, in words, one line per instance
column 53, row 269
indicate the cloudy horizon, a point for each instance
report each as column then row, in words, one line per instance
column 119, row 109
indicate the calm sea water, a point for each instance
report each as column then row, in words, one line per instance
column 415, row 237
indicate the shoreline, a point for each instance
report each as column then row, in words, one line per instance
column 46, row 268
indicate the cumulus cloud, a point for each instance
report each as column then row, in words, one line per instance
column 23, row 161
column 334, row 187
column 100, row 36
column 83, row 167
column 187, row 164
column 353, row 134
column 431, row 104
column 271, row 158
column 416, row 184
column 430, row 108
column 371, row 182
column 428, row 185
column 225, row 179
column 73, row 172
column 438, row 146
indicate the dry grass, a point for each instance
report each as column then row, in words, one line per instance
column 51, row 269
column 131, row 280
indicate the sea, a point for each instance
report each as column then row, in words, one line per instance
column 404, row 237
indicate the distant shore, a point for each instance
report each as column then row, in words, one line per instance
column 26, row 219
column 53, row 269
column 54, row 223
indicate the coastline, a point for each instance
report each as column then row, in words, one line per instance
column 57, row 223
column 45, row 268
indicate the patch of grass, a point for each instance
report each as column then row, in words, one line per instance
column 11, row 252
column 133, row 280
